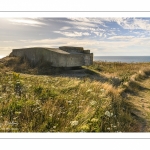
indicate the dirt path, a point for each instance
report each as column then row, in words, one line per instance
column 140, row 102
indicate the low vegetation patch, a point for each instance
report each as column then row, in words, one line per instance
column 30, row 102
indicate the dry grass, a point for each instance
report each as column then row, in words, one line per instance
column 49, row 103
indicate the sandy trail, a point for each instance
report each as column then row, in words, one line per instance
column 140, row 103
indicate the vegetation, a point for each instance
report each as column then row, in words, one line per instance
column 32, row 101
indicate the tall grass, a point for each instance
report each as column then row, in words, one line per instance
column 40, row 103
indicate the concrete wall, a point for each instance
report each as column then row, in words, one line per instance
column 72, row 49
column 57, row 59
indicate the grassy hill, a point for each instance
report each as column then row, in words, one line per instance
column 97, row 98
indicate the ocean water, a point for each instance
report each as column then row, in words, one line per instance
column 127, row 59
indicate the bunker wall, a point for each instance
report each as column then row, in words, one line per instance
column 57, row 59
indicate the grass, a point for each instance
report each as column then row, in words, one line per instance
column 31, row 102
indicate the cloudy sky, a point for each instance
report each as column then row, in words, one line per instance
column 103, row 36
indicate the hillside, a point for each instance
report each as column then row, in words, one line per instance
column 104, row 97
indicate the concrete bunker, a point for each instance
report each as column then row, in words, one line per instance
column 64, row 56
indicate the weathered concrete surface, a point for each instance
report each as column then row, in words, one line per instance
column 59, row 57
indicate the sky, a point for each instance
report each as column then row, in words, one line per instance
column 102, row 36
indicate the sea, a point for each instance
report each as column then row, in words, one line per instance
column 126, row 59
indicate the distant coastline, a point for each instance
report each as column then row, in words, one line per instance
column 127, row 59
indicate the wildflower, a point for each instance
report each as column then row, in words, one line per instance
column 107, row 113
column 4, row 95
column 54, row 127
column 93, row 103
column 15, row 118
column 94, row 120
column 80, row 106
column 74, row 123
column 18, row 82
column 69, row 102
column 102, row 90
column 17, row 112
column 5, row 129
column 8, row 90
column 13, row 123
column 17, row 96
column 37, row 102
column 108, row 128
column 89, row 90
column 14, row 129
column 29, row 85
column 6, row 123
column 50, row 115
column 85, row 128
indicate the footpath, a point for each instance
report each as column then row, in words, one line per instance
column 140, row 102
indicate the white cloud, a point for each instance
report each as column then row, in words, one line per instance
column 85, row 28
column 26, row 21
column 121, row 38
column 97, row 33
column 7, row 41
column 107, row 37
column 85, row 33
column 72, row 34
column 1, row 56
column 82, row 22
column 109, row 47
column 98, row 47
column 65, row 28
column 131, row 23
column 6, row 50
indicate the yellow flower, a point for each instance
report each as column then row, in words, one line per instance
column 94, row 120
column 85, row 127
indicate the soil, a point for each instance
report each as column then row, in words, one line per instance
column 140, row 102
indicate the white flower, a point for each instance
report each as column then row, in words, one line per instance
column 93, row 103
column 102, row 90
column 89, row 90
column 111, row 114
column 80, row 106
column 50, row 115
column 107, row 113
column 69, row 102
column 37, row 102
column 18, row 82
column 108, row 128
column 74, row 123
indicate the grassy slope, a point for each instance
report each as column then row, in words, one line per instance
column 97, row 101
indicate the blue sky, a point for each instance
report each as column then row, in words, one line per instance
column 103, row 36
